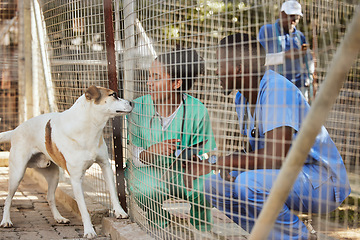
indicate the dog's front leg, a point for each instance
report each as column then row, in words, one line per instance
column 109, row 179
column 76, row 182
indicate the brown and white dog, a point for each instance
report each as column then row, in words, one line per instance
column 72, row 140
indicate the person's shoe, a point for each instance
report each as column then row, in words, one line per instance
column 310, row 228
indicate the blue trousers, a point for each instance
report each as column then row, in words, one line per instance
column 243, row 199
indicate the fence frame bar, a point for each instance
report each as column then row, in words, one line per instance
column 113, row 85
column 25, row 62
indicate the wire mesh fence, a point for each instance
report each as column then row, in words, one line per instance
column 166, row 199
column 9, row 54
column 77, row 59
column 200, row 25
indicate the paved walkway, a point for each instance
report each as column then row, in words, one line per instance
column 32, row 217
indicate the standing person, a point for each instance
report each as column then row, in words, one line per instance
column 270, row 111
column 166, row 120
column 287, row 51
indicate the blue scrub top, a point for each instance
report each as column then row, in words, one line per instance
column 297, row 69
column 281, row 103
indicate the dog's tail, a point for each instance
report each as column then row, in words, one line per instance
column 6, row 136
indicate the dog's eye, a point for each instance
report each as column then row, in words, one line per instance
column 114, row 95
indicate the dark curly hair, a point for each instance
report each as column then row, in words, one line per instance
column 183, row 64
column 246, row 44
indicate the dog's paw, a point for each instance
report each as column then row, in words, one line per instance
column 120, row 214
column 62, row 220
column 90, row 234
column 6, row 224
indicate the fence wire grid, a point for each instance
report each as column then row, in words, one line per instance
column 9, row 73
column 169, row 63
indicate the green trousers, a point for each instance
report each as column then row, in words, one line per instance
column 150, row 189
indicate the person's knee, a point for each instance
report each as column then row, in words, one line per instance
column 244, row 186
column 210, row 184
column 210, row 188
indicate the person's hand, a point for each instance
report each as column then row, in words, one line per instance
column 225, row 171
column 194, row 168
column 225, row 175
column 304, row 47
column 297, row 53
column 165, row 148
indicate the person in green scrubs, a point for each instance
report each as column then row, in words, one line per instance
column 163, row 123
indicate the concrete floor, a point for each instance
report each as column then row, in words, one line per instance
column 32, row 218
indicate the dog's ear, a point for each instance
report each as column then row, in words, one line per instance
column 92, row 93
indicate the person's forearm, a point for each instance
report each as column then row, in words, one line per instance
column 248, row 161
column 260, row 160
column 236, row 160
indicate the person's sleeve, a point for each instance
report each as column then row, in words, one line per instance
column 303, row 39
column 205, row 132
column 266, row 40
column 135, row 155
column 134, row 139
column 133, row 130
column 279, row 108
column 262, row 38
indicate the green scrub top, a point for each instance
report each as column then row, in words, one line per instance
column 145, row 127
column 146, row 183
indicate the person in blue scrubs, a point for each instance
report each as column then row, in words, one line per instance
column 270, row 110
column 287, row 51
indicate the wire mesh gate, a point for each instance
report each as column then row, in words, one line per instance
column 9, row 74
column 69, row 54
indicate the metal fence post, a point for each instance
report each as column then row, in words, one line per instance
column 113, row 84
column 25, row 61
column 129, row 47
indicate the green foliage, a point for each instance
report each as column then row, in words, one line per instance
column 347, row 213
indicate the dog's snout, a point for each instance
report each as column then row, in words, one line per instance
column 132, row 104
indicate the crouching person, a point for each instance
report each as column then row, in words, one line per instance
column 270, row 111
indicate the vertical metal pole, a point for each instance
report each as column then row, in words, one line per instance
column 35, row 58
column 118, row 46
column 113, row 84
column 314, row 82
column 41, row 33
column 28, row 60
column 25, row 61
column 21, row 60
column 110, row 46
column 129, row 46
